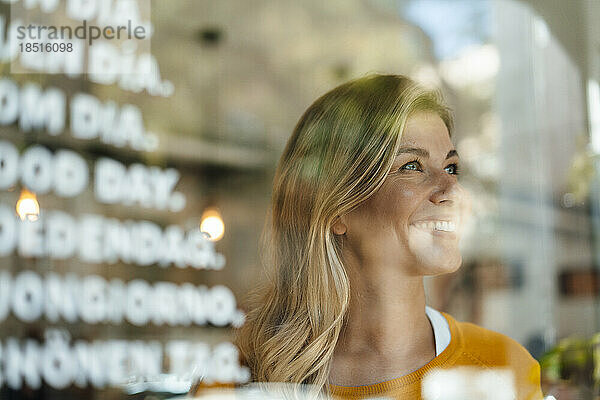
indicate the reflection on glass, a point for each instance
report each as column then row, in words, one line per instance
column 212, row 224
column 28, row 206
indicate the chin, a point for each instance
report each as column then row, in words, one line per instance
column 435, row 253
column 431, row 266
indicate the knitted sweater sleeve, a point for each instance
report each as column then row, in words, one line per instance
column 497, row 350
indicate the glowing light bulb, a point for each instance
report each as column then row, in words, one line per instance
column 28, row 206
column 212, row 224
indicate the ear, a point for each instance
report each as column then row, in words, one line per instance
column 338, row 227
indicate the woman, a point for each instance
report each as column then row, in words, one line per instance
column 366, row 203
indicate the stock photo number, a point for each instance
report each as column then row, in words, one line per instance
column 40, row 47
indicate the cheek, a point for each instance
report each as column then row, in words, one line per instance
column 396, row 205
column 389, row 209
column 408, row 200
column 406, row 192
column 407, row 197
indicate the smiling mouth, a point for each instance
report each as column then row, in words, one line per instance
column 436, row 226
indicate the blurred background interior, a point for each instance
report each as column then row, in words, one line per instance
column 522, row 77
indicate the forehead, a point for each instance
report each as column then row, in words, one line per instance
column 427, row 130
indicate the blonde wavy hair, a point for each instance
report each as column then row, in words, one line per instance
column 339, row 154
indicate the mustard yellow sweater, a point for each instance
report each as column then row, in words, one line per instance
column 470, row 345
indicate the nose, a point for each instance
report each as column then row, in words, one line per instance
column 453, row 197
column 447, row 190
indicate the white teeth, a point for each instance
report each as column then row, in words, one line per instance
column 446, row 226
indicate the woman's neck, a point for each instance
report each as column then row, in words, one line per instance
column 386, row 323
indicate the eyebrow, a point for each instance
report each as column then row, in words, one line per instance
column 422, row 152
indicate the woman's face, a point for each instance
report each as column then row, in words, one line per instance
column 414, row 221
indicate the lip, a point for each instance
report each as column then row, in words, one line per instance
column 444, row 226
column 436, row 233
column 441, row 217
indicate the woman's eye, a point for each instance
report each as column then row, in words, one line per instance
column 452, row 169
column 411, row 166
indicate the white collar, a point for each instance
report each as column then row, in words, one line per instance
column 441, row 329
